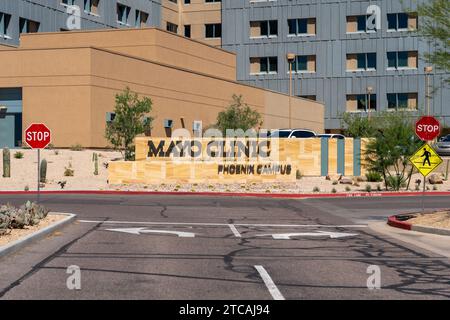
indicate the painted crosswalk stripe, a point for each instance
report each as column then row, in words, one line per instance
column 276, row 294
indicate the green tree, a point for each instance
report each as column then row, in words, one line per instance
column 357, row 125
column 393, row 142
column 131, row 119
column 435, row 27
column 238, row 115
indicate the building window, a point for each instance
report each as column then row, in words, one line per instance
column 263, row 65
column 68, row 2
column 123, row 14
column 362, row 62
column 28, row 26
column 211, row 1
column 304, row 64
column 5, row 19
column 141, row 19
column 309, row 97
column 187, row 31
column 264, row 29
column 298, row 27
column 91, row 6
column 402, row 21
column 358, row 24
column 172, row 27
column 397, row 101
column 360, row 102
column 213, row 30
column 402, row 60
column 187, row 1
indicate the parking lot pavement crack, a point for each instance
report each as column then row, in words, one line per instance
column 41, row 264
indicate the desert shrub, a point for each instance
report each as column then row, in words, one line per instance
column 76, row 147
column 374, row 176
column 18, row 155
column 69, row 172
column 395, row 182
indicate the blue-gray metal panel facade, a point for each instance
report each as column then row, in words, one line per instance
column 331, row 82
column 52, row 16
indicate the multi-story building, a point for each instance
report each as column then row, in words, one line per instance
column 196, row 19
column 353, row 55
column 344, row 56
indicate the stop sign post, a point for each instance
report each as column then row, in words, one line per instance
column 428, row 128
column 38, row 136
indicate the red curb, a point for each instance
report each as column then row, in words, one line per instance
column 393, row 222
column 230, row 194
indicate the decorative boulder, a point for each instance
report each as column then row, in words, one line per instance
column 345, row 180
column 435, row 179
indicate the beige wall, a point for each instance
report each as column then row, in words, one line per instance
column 412, row 100
column 151, row 43
column 54, row 92
column 312, row 26
column 352, row 62
column 412, row 21
column 73, row 95
column 352, row 25
column 199, row 13
column 6, row 47
column 352, row 103
column 412, row 59
column 196, row 14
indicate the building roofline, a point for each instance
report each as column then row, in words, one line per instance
column 8, row 45
column 164, row 65
column 126, row 30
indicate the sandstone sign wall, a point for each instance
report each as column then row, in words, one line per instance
column 237, row 160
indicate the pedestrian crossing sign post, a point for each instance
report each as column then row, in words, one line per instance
column 425, row 159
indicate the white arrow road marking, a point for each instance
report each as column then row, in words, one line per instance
column 288, row 236
column 235, row 231
column 139, row 231
column 224, row 224
column 276, row 294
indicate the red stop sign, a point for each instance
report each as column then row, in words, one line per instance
column 38, row 136
column 428, row 128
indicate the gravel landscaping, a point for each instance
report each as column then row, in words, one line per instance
column 440, row 219
column 16, row 234
column 75, row 170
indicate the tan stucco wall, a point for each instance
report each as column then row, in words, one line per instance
column 150, row 43
column 5, row 47
column 71, row 90
column 197, row 14
column 170, row 12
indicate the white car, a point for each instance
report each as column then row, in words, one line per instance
column 331, row 136
column 292, row 133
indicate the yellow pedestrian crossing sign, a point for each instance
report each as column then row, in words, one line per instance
column 425, row 159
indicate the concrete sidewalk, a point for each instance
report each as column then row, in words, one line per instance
column 435, row 243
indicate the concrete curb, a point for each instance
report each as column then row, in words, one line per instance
column 237, row 194
column 432, row 230
column 394, row 221
column 20, row 243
